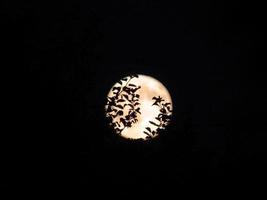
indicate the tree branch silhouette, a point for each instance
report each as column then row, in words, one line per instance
column 163, row 118
column 124, row 95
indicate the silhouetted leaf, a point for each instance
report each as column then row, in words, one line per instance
column 120, row 100
column 127, row 90
column 119, row 106
column 153, row 132
column 126, row 96
column 153, row 123
column 138, row 110
column 124, row 79
column 135, row 104
column 132, row 85
column 146, row 133
column 128, row 105
column 120, row 82
column 135, row 89
column 155, row 103
column 149, row 129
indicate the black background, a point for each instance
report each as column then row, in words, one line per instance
column 206, row 53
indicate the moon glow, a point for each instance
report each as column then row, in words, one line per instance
column 138, row 107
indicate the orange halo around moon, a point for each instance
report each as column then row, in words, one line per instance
column 147, row 90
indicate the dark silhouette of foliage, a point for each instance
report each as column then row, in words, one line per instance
column 123, row 96
column 163, row 118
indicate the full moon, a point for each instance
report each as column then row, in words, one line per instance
column 138, row 107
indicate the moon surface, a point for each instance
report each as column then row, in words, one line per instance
column 138, row 106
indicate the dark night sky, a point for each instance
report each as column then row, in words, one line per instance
column 205, row 53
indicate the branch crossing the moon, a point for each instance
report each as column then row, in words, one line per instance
column 163, row 118
column 124, row 99
column 135, row 111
